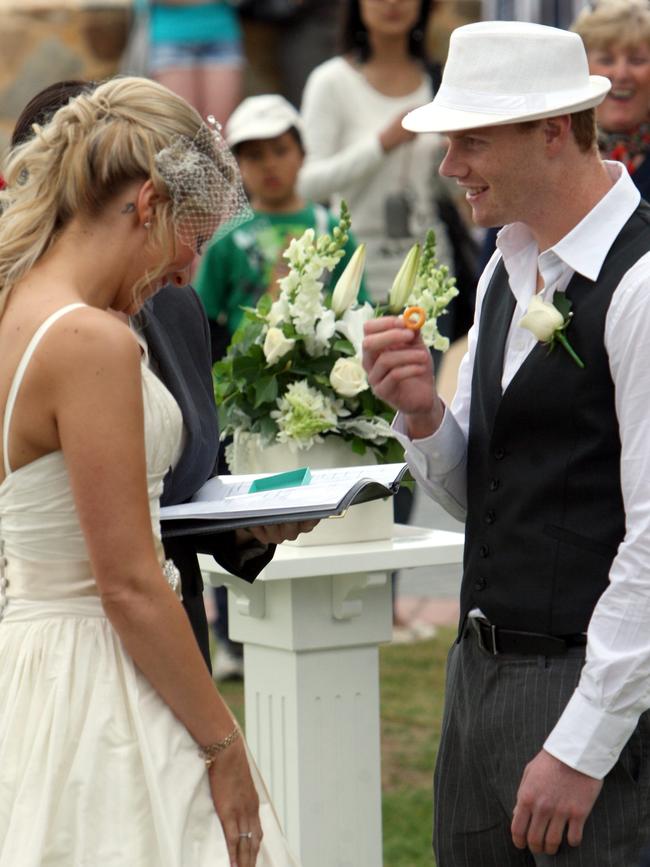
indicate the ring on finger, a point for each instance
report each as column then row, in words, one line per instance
column 245, row 835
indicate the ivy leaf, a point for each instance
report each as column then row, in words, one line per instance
column 268, row 427
column 248, row 366
column 266, row 390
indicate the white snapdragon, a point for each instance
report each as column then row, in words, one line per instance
column 279, row 312
column 307, row 307
column 318, row 342
column 433, row 289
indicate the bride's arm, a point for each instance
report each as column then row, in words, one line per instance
column 97, row 402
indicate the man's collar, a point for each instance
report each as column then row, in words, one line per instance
column 585, row 247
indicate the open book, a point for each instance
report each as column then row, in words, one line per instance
column 224, row 502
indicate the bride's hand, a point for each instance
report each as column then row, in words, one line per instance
column 237, row 805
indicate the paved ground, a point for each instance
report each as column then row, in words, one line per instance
column 424, row 597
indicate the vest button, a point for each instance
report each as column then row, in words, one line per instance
column 494, row 484
column 499, row 454
column 484, row 551
column 480, row 583
column 490, row 517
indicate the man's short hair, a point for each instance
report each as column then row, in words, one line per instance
column 583, row 127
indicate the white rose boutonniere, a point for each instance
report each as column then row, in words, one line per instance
column 548, row 322
column 347, row 377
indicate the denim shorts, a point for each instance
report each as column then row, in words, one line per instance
column 167, row 55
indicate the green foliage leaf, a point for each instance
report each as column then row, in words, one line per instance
column 266, row 390
column 563, row 304
column 343, row 346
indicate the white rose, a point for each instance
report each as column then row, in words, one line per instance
column 348, row 377
column 276, row 345
column 542, row 319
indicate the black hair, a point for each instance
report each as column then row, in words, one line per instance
column 353, row 34
column 44, row 104
column 292, row 130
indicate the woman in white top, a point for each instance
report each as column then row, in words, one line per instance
column 356, row 148
column 109, row 715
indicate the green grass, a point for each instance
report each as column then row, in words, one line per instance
column 412, row 684
column 412, row 679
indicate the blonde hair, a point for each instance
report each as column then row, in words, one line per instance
column 92, row 148
column 614, row 22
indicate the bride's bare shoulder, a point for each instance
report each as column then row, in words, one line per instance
column 91, row 333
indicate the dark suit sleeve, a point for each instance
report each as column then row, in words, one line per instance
column 244, row 561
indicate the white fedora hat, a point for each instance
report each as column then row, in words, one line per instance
column 501, row 72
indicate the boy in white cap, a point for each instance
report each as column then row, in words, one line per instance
column 265, row 134
column 545, row 451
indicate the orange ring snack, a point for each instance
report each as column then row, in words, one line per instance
column 414, row 318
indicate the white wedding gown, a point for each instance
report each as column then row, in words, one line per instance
column 95, row 769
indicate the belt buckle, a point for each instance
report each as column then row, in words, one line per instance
column 477, row 624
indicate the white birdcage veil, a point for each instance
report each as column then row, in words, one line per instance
column 204, row 185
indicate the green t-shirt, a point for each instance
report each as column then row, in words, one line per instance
column 238, row 269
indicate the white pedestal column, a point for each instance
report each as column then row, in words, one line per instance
column 311, row 625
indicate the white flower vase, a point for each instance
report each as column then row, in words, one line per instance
column 366, row 522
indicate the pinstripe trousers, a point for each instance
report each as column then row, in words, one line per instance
column 498, row 712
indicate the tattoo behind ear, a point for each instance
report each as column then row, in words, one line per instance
column 129, row 208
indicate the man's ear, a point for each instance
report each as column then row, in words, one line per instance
column 556, row 132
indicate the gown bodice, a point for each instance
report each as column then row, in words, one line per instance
column 38, row 518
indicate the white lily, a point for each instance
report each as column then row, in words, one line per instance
column 405, row 280
column 347, row 287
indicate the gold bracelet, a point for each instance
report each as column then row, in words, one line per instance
column 211, row 751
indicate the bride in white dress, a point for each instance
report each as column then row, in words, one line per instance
column 108, row 715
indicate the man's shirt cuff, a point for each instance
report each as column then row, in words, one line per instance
column 437, row 455
column 588, row 738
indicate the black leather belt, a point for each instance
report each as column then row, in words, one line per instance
column 496, row 640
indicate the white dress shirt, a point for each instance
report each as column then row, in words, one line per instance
column 614, row 687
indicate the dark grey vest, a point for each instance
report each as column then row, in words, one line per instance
column 545, row 510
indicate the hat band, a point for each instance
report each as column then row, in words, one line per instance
column 487, row 102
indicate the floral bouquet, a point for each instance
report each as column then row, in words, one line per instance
column 293, row 371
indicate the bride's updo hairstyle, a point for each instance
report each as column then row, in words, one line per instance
column 126, row 129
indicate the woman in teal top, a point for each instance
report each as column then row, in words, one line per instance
column 196, row 51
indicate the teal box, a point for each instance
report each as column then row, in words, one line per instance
column 290, row 479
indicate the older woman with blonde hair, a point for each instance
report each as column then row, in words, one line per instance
column 616, row 34
column 115, row 746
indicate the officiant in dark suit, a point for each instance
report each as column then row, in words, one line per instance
column 177, row 333
column 174, row 330
column 545, row 451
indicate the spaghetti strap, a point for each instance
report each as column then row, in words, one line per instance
column 20, row 372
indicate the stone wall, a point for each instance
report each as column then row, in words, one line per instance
column 43, row 41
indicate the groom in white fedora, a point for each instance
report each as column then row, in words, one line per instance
column 545, row 453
